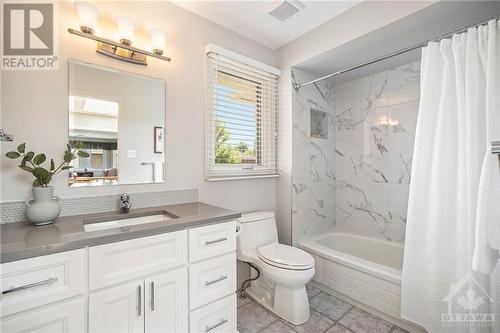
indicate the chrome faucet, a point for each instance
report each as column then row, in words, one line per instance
column 125, row 203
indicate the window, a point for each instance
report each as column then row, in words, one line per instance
column 241, row 117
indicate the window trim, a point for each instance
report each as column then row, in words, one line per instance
column 212, row 48
column 209, row 131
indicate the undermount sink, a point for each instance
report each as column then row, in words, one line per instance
column 125, row 220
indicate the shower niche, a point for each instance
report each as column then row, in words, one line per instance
column 319, row 124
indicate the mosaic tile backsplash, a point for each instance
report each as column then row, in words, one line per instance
column 15, row 211
column 357, row 178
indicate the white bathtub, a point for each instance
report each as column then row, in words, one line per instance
column 366, row 270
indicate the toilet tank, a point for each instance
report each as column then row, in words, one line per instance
column 256, row 229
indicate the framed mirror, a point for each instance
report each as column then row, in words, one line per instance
column 119, row 119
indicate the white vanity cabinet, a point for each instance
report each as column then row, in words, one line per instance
column 182, row 281
column 155, row 304
column 212, row 278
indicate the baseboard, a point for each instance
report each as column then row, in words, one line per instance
column 410, row 327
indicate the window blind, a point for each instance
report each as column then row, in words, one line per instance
column 241, row 120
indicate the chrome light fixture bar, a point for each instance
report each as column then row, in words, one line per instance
column 119, row 51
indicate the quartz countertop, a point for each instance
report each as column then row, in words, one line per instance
column 23, row 240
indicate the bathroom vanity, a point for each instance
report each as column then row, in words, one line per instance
column 174, row 275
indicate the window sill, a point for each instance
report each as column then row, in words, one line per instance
column 239, row 178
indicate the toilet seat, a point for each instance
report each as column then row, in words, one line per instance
column 285, row 257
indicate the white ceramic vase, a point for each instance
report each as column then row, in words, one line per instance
column 44, row 207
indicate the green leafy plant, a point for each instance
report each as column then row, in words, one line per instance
column 32, row 162
column 225, row 152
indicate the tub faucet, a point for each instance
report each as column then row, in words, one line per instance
column 125, row 203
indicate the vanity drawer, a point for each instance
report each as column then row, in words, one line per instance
column 217, row 317
column 211, row 279
column 29, row 283
column 65, row 317
column 122, row 261
column 210, row 241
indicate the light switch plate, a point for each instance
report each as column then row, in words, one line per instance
column 131, row 154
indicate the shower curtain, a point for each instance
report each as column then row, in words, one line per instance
column 453, row 208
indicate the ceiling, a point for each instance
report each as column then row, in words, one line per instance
column 435, row 20
column 251, row 18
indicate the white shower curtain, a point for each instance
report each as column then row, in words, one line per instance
column 455, row 181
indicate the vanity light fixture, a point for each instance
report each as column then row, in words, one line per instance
column 87, row 14
column 126, row 30
column 122, row 50
column 158, row 41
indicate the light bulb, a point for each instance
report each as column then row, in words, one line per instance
column 157, row 40
column 126, row 28
column 87, row 14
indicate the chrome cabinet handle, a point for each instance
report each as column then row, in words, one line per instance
column 30, row 285
column 207, row 283
column 221, row 322
column 218, row 240
column 152, row 299
column 139, row 300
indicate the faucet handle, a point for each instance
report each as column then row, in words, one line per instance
column 125, row 202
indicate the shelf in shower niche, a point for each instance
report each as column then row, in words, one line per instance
column 319, row 124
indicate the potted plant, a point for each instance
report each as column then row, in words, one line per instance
column 44, row 207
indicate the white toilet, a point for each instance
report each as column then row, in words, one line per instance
column 284, row 269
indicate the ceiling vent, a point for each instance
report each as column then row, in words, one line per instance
column 283, row 9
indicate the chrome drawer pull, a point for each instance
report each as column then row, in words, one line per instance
column 28, row 286
column 152, row 300
column 139, row 301
column 207, row 283
column 218, row 240
column 221, row 322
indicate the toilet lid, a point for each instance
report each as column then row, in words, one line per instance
column 285, row 256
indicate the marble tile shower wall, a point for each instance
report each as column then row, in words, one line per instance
column 313, row 159
column 375, row 122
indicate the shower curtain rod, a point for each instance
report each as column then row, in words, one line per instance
column 393, row 54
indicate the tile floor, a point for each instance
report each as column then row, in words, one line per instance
column 329, row 314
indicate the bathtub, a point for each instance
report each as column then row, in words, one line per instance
column 366, row 270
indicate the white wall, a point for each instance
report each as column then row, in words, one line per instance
column 35, row 103
column 353, row 23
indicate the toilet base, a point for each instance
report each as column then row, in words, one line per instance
column 291, row 305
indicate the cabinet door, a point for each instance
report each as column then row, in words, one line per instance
column 166, row 301
column 68, row 317
column 119, row 309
